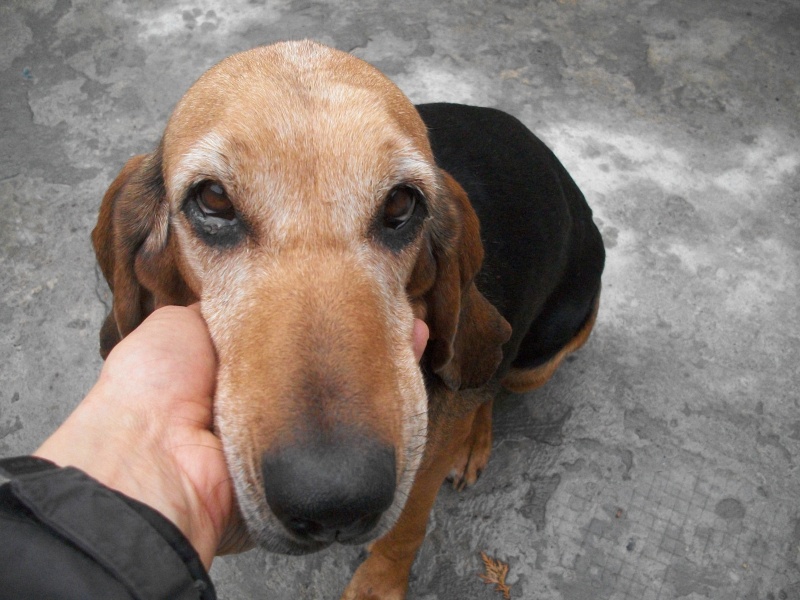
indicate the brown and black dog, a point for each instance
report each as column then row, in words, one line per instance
column 315, row 212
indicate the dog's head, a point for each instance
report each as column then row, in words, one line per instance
column 294, row 193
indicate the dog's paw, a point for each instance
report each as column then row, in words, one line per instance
column 473, row 456
column 378, row 579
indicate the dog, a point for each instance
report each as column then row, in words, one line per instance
column 314, row 212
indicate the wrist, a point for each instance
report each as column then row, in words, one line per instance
column 129, row 450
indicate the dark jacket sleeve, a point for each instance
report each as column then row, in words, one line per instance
column 64, row 535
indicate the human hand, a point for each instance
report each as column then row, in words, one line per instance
column 145, row 428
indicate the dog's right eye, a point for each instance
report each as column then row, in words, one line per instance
column 212, row 215
column 214, row 202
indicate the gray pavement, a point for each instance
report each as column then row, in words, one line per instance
column 662, row 461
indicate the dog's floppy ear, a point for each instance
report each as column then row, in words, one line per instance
column 466, row 331
column 134, row 249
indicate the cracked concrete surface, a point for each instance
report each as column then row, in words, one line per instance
column 659, row 463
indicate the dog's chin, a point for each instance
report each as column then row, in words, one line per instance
column 274, row 538
column 283, row 543
column 270, row 535
column 266, row 531
column 294, row 548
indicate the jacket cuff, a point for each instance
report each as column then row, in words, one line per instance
column 141, row 548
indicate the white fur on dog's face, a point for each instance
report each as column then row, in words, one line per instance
column 307, row 144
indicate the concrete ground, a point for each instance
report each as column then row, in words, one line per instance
column 660, row 463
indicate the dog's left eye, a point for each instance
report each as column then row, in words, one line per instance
column 399, row 207
column 214, row 202
column 400, row 218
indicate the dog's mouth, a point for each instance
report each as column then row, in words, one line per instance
column 289, row 543
column 294, row 547
column 297, row 536
column 358, row 531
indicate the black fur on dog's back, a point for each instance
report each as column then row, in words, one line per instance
column 544, row 255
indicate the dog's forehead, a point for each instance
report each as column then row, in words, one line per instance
column 285, row 96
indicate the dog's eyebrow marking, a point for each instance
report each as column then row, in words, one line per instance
column 414, row 168
column 206, row 158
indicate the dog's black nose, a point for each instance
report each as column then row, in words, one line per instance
column 330, row 490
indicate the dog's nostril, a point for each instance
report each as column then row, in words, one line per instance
column 326, row 491
column 319, row 532
column 305, row 528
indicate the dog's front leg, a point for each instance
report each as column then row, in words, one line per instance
column 384, row 575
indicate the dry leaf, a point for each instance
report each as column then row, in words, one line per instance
column 496, row 572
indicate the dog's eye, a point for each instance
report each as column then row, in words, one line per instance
column 213, row 217
column 399, row 220
column 214, row 202
column 399, row 207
